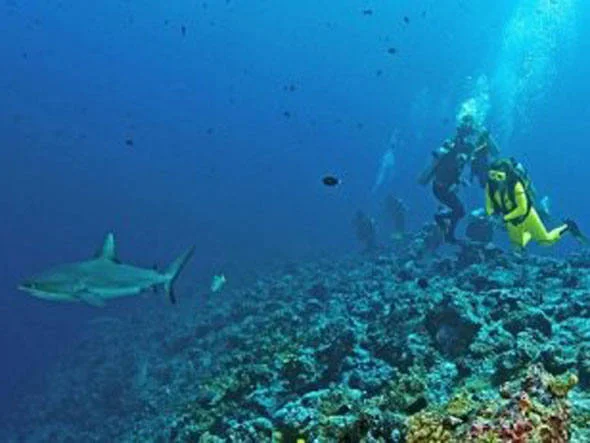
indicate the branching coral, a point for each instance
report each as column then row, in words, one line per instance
column 560, row 386
column 532, row 409
column 461, row 405
column 408, row 392
column 427, row 427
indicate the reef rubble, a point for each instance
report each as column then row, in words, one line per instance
column 479, row 346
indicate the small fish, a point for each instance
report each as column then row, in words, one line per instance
column 406, row 20
column 218, row 282
column 129, row 142
column 287, row 114
column 367, row 12
column 330, row 180
column 392, row 51
column 183, row 30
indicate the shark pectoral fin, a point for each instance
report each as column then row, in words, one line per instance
column 90, row 298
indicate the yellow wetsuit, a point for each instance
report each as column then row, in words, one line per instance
column 521, row 219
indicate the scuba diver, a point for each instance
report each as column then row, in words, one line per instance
column 447, row 168
column 472, row 144
column 445, row 173
column 395, row 211
column 365, row 230
column 509, row 194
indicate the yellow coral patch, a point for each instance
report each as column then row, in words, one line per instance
column 427, row 427
column 560, row 386
column 460, row 405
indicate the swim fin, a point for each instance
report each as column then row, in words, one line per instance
column 574, row 229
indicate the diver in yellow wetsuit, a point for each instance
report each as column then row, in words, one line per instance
column 508, row 194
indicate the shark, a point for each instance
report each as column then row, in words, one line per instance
column 103, row 278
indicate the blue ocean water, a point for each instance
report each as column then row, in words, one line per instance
column 211, row 123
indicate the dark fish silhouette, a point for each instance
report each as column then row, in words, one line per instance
column 330, row 180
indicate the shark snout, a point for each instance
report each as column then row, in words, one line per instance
column 29, row 286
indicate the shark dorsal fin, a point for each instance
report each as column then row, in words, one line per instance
column 108, row 248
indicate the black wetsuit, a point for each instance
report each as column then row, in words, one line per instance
column 446, row 179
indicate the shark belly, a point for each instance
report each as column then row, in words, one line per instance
column 115, row 292
column 115, row 281
column 53, row 296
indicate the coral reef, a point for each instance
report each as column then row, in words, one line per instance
column 481, row 346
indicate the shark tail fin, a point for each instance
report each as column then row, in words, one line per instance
column 174, row 270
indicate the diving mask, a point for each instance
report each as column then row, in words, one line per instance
column 498, row 176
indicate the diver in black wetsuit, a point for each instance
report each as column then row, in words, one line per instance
column 395, row 211
column 445, row 184
column 445, row 173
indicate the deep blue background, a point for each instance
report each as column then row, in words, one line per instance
column 216, row 162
